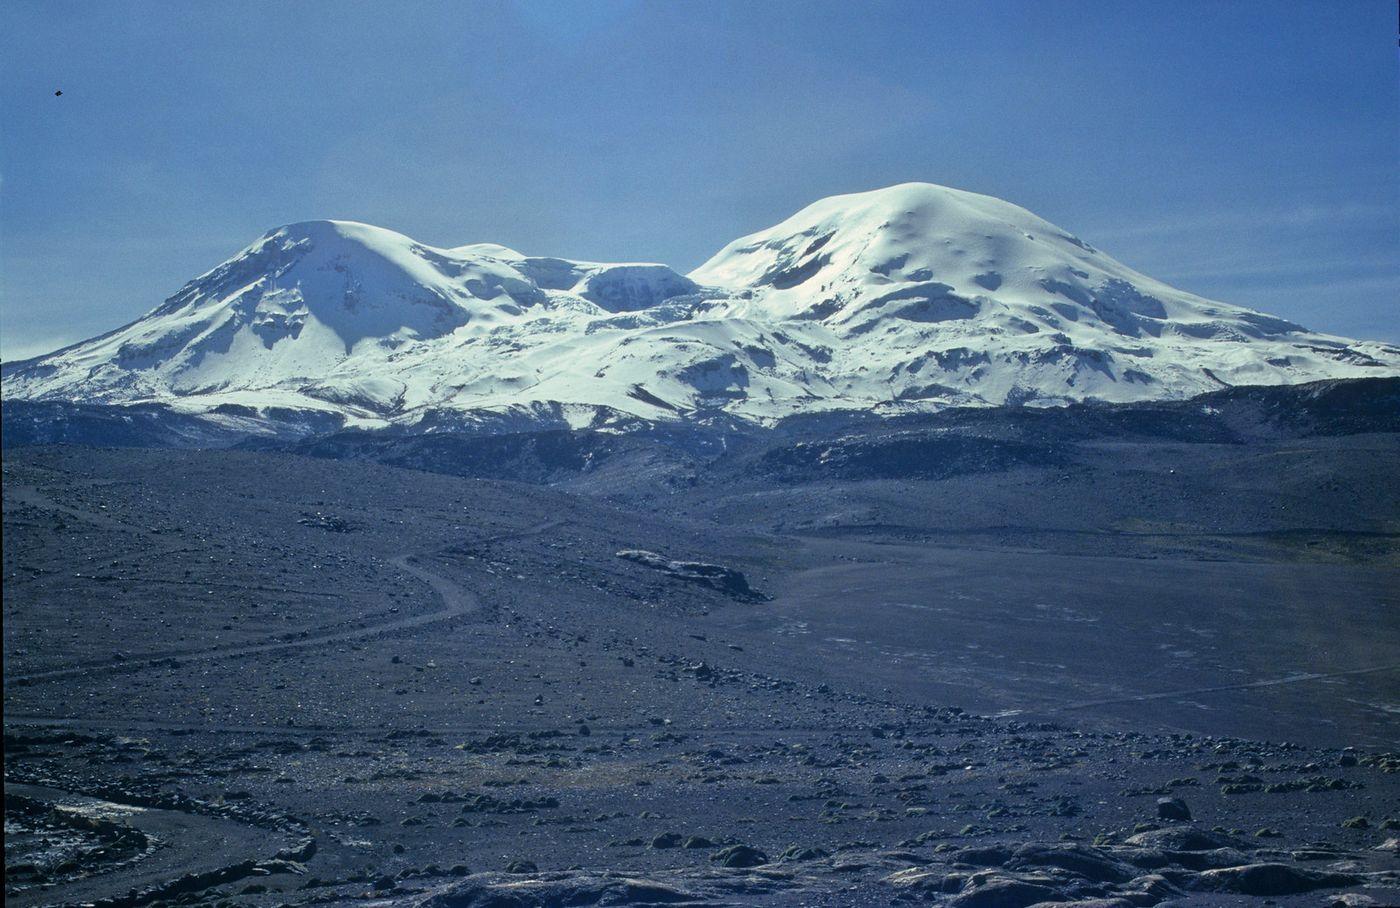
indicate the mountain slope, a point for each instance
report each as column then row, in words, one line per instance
column 913, row 297
column 950, row 292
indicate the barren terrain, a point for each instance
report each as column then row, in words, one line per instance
column 264, row 679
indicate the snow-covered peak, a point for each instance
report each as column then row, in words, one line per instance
column 336, row 231
column 871, row 228
column 923, row 252
column 912, row 297
column 361, row 280
column 896, row 232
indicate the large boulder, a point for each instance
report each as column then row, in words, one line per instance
column 716, row 576
column 1092, row 864
column 490, row 890
column 1269, row 880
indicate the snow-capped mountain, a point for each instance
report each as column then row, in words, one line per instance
column 911, row 297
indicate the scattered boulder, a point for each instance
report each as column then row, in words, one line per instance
column 301, row 852
column 739, row 856
column 327, row 522
column 1003, row 892
column 1081, row 860
column 799, row 853
column 1353, row 900
column 1151, row 889
column 927, row 883
column 1173, row 809
column 986, row 856
column 1180, row 838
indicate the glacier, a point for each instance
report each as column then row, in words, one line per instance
column 911, row 298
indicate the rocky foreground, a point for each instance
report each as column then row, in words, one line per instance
column 258, row 680
column 988, row 796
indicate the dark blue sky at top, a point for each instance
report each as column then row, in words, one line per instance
column 1246, row 151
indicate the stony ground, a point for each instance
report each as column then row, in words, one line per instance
column 259, row 680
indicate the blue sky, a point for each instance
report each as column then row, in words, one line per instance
column 1247, row 151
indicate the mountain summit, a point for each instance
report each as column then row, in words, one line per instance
column 913, row 297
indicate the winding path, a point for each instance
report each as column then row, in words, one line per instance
column 456, row 601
